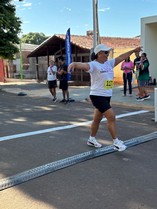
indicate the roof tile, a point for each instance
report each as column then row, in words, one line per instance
column 113, row 42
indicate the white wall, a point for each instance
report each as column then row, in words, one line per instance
column 149, row 41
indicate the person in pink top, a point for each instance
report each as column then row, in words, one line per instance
column 127, row 67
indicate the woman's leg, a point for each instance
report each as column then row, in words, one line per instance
column 142, row 88
column 124, row 83
column 129, row 76
column 111, row 122
column 52, row 91
column 144, row 92
column 96, row 122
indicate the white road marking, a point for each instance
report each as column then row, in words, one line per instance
column 15, row 136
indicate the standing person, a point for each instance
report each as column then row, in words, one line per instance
column 62, row 71
column 136, row 63
column 127, row 66
column 52, row 80
column 101, row 73
column 143, row 77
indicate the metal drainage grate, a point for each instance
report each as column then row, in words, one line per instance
column 60, row 164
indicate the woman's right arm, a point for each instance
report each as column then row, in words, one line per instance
column 79, row 66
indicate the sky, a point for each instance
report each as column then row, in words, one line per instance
column 117, row 18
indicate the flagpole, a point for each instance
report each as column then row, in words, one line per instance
column 21, row 65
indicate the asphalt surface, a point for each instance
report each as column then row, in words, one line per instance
column 121, row 180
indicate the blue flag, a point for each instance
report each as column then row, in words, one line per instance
column 68, row 50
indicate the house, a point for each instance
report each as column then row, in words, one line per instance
column 35, row 58
column 149, row 42
column 12, row 67
column 81, row 47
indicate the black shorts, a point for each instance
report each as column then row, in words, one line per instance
column 52, row 84
column 63, row 85
column 101, row 103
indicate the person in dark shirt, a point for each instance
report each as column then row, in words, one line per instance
column 136, row 63
column 143, row 77
column 137, row 60
column 62, row 71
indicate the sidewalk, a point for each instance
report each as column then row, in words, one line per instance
column 78, row 93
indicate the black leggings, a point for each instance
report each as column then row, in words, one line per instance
column 127, row 78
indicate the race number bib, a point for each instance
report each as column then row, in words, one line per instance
column 108, row 84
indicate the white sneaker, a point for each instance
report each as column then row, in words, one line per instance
column 146, row 97
column 93, row 142
column 119, row 145
column 140, row 99
column 55, row 100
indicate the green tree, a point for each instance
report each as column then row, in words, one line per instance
column 34, row 38
column 10, row 27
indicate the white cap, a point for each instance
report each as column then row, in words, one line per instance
column 101, row 47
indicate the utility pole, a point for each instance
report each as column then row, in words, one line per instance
column 96, row 37
column 21, row 62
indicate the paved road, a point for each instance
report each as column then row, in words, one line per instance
column 121, row 180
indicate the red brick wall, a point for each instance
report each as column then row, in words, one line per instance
column 2, row 76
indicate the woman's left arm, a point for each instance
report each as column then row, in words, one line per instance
column 124, row 56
